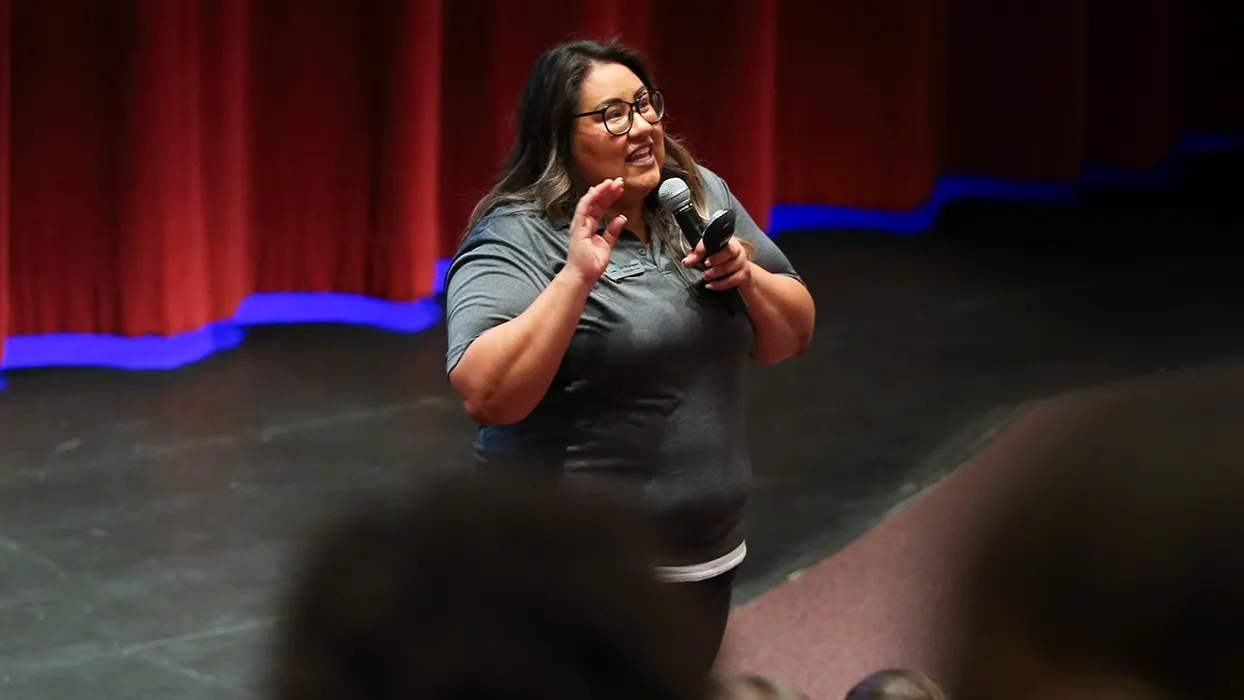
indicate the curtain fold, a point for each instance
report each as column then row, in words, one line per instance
column 1132, row 108
column 162, row 160
column 860, row 95
column 6, row 8
column 162, row 230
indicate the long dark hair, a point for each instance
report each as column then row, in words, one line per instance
column 540, row 173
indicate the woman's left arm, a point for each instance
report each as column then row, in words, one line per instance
column 780, row 306
column 781, row 309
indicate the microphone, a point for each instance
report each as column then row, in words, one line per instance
column 675, row 195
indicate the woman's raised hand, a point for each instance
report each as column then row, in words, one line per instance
column 589, row 250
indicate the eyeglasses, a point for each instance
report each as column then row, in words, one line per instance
column 619, row 116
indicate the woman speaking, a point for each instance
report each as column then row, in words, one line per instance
column 591, row 343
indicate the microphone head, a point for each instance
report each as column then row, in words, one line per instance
column 674, row 194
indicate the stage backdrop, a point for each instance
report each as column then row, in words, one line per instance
column 165, row 160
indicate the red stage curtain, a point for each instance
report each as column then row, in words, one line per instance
column 6, row 8
column 163, row 159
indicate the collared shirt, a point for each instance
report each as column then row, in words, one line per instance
column 649, row 397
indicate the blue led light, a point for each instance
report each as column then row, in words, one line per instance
column 808, row 217
column 158, row 353
column 811, row 217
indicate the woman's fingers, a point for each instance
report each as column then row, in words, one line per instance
column 602, row 196
column 583, row 212
column 723, row 269
column 695, row 256
column 614, row 229
column 593, row 205
column 729, row 273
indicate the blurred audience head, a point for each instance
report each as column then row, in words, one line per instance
column 754, row 688
column 896, row 684
column 484, row 588
column 1114, row 566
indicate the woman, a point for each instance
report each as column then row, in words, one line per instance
column 578, row 338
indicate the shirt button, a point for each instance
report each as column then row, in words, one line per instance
column 643, row 251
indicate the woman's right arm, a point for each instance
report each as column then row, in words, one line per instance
column 506, row 371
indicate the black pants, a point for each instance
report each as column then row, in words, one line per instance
column 711, row 601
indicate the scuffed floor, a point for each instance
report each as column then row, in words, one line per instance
column 146, row 518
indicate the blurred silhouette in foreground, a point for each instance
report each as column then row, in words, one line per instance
column 1114, row 566
column 754, row 688
column 896, row 684
column 486, row 588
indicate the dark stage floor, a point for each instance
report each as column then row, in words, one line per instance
column 145, row 518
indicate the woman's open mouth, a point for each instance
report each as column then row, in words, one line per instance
column 641, row 157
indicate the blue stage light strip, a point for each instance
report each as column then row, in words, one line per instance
column 160, row 353
column 807, row 217
column 811, row 217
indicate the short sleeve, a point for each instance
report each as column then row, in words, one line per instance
column 768, row 255
column 493, row 278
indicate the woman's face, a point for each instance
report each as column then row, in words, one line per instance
column 637, row 155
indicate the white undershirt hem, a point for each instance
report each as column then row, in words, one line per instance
column 705, row 571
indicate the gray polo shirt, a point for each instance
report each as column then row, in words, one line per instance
column 649, row 398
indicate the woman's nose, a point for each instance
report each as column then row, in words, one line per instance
column 640, row 126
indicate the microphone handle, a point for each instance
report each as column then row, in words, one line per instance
column 735, row 300
column 693, row 231
column 692, row 227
